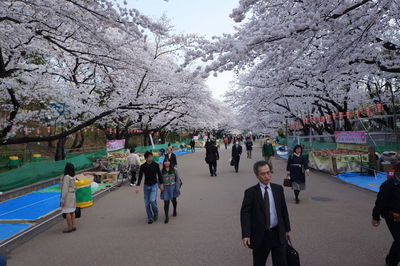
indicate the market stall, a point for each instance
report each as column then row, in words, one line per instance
column 351, row 154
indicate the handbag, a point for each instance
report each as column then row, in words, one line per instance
column 287, row 182
column 77, row 213
column 292, row 256
column 233, row 162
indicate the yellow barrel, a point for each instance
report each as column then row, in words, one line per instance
column 36, row 157
column 83, row 193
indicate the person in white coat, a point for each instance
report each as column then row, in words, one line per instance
column 68, row 200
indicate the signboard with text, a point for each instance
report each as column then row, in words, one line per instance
column 351, row 137
column 114, row 145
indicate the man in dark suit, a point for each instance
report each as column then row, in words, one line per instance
column 212, row 155
column 236, row 152
column 172, row 157
column 264, row 218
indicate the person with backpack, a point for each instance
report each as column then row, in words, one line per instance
column 297, row 168
column 133, row 166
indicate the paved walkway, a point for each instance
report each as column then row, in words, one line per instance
column 331, row 226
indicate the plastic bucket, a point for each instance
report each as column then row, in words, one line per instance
column 36, row 157
column 13, row 161
column 156, row 159
column 83, row 193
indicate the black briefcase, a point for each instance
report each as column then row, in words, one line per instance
column 292, row 256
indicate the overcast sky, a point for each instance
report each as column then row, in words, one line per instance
column 203, row 17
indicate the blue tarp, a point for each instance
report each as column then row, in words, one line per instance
column 363, row 180
column 178, row 153
column 31, row 206
column 8, row 230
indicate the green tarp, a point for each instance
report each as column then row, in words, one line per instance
column 31, row 173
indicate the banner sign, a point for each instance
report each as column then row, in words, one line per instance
column 355, row 137
column 114, row 145
column 352, row 147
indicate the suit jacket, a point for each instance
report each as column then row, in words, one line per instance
column 212, row 154
column 252, row 215
column 174, row 163
column 236, row 152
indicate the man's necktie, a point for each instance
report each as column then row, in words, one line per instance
column 266, row 205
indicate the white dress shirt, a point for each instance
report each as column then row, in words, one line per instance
column 273, row 216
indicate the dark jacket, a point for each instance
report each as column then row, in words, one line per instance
column 249, row 145
column 268, row 149
column 388, row 199
column 297, row 173
column 236, row 151
column 212, row 154
column 252, row 214
column 174, row 163
column 151, row 173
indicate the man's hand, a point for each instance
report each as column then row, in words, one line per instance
column 137, row 189
column 161, row 187
column 308, row 172
column 288, row 174
column 288, row 235
column 375, row 223
column 246, row 242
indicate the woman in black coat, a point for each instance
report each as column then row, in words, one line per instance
column 297, row 168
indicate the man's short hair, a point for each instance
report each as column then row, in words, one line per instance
column 259, row 164
column 147, row 154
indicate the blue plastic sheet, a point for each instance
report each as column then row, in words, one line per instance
column 31, row 206
column 8, row 230
column 363, row 180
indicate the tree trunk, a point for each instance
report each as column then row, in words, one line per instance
column 75, row 143
column 80, row 144
column 60, row 152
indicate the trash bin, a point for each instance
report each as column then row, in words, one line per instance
column 36, row 157
column 156, row 159
column 83, row 193
column 13, row 162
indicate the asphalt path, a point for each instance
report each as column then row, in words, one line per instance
column 330, row 226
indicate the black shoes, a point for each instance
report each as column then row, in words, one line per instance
column 69, row 230
column 149, row 221
column 297, row 201
column 166, row 220
column 215, row 173
column 174, row 214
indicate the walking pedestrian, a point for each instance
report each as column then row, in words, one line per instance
column 297, row 168
column 152, row 174
column 171, row 191
column 133, row 166
column 268, row 153
column 249, row 147
column 387, row 205
column 236, row 152
column 212, row 155
column 226, row 142
column 172, row 157
column 265, row 219
column 193, row 145
column 68, row 200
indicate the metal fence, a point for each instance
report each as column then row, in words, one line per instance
column 381, row 141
